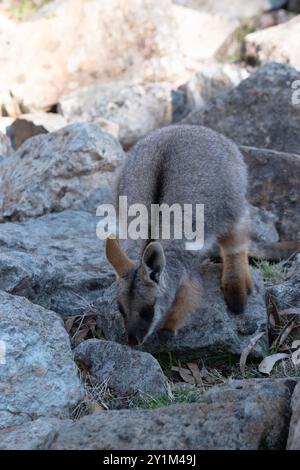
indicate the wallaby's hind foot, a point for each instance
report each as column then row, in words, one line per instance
column 236, row 277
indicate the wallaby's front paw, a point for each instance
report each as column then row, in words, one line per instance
column 236, row 293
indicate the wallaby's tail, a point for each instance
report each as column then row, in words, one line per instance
column 276, row 251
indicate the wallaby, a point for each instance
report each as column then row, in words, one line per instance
column 159, row 283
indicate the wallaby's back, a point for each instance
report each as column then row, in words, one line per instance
column 188, row 165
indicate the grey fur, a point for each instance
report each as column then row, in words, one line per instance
column 186, row 165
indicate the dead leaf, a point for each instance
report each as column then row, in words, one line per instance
column 246, row 351
column 69, row 323
column 296, row 356
column 187, row 376
column 95, row 407
column 196, row 372
column 82, row 334
column 286, row 332
column 266, row 366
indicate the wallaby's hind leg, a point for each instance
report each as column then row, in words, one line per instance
column 236, row 276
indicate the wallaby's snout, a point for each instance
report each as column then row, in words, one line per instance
column 140, row 287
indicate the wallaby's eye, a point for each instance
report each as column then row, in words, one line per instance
column 147, row 313
column 121, row 309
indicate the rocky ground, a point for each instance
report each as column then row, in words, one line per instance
column 67, row 380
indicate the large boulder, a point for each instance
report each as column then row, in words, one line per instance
column 259, row 112
column 38, row 376
column 245, row 415
column 294, row 433
column 136, row 39
column 57, row 171
column 137, row 108
column 274, row 185
column 212, row 328
column 275, row 44
column 55, row 260
column 124, row 370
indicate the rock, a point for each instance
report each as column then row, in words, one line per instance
column 259, row 112
column 57, row 171
column 5, row 145
column 212, row 328
column 273, row 18
column 136, row 40
column 33, row 435
column 202, row 35
column 274, row 185
column 126, row 371
column 234, row 9
column 211, row 80
column 50, row 121
column 294, row 5
column 254, row 414
column 21, row 130
column 263, row 230
column 135, row 107
column 294, row 433
column 287, row 294
column 55, row 260
column 39, row 377
column 275, row 44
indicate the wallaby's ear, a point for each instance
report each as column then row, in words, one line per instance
column 153, row 261
column 116, row 257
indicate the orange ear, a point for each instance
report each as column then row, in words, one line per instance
column 116, row 257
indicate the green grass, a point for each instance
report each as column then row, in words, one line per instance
column 272, row 272
column 180, row 395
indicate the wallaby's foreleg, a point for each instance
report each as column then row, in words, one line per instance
column 236, row 276
column 186, row 301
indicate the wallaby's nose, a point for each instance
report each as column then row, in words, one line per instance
column 132, row 340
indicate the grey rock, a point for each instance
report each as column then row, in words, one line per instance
column 38, row 377
column 294, row 432
column 245, row 415
column 55, row 260
column 137, row 108
column 33, row 435
column 125, row 370
column 259, row 112
column 5, row 145
column 263, row 230
column 275, row 44
column 294, row 5
column 213, row 328
column 210, row 80
column 287, row 294
column 274, row 185
column 57, row 171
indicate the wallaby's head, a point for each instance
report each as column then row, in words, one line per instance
column 141, row 285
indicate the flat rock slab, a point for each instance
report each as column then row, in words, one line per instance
column 259, row 112
column 38, row 376
column 246, row 415
column 125, row 370
column 55, row 260
column 212, row 330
